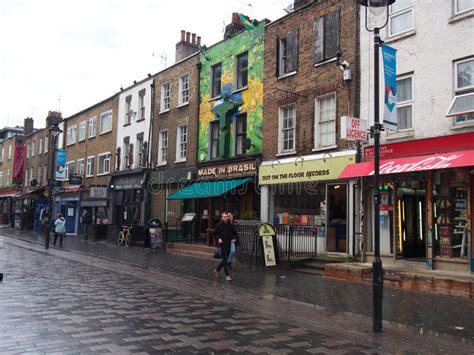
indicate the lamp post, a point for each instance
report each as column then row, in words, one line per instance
column 376, row 7
column 54, row 132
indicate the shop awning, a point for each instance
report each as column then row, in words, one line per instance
column 203, row 189
column 412, row 164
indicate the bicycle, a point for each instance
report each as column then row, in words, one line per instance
column 125, row 236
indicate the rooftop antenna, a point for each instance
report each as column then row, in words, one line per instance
column 289, row 8
column 163, row 57
column 249, row 5
column 223, row 26
column 59, row 103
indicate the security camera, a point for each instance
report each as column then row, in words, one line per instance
column 344, row 65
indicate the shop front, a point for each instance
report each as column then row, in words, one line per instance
column 425, row 204
column 7, row 205
column 96, row 201
column 67, row 201
column 29, row 208
column 226, row 187
column 305, row 191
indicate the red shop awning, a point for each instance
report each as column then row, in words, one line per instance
column 411, row 164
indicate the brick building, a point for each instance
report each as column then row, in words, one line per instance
column 310, row 81
column 8, row 187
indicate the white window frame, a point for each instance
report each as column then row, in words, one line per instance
column 392, row 15
column 71, row 135
column 26, row 177
column 45, row 174
column 457, row 12
column 317, row 121
column 109, row 159
column 90, row 166
column 407, row 103
column 128, row 110
column 28, row 150
column 141, row 104
column 2, row 156
column 163, row 149
column 80, row 163
column 456, row 63
column 46, row 144
column 82, row 131
column 105, row 114
column 33, row 148
column 183, row 95
column 165, row 102
column 180, row 143
column 9, row 152
column 139, row 149
column 92, row 127
column 68, row 163
column 280, row 130
column 40, row 146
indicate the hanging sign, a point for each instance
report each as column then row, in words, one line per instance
column 60, row 165
column 389, row 55
column 353, row 129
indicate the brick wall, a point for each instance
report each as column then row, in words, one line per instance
column 40, row 160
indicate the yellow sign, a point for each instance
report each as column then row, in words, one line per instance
column 304, row 170
column 266, row 230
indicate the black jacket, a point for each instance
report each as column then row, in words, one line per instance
column 226, row 232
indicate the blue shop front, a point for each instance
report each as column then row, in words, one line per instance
column 67, row 202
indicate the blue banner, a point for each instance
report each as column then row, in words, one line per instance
column 60, row 166
column 390, row 119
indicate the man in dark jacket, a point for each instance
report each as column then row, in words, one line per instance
column 224, row 233
column 86, row 221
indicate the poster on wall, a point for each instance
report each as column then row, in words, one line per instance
column 60, row 165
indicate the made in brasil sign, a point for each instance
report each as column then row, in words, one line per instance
column 390, row 119
column 60, row 166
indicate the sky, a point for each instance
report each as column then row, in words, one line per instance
column 67, row 55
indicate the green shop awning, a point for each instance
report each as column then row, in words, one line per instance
column 203, row 189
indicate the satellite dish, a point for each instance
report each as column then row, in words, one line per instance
column 289, row 8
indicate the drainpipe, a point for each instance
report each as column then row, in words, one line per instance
column 152, row 118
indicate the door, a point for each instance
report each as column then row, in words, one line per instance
column 336, row 218
column 413, row 224
column 71, row 216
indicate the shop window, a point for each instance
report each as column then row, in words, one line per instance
column 401, row 17
column 326, row 37
column 287, row 54
column 405, row 102
column 216, row 72
column 451, row 213
column 325, row 129
column 214, row 141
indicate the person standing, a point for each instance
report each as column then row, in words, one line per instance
column 224, row 233
column 85, row 221
column 59, row 229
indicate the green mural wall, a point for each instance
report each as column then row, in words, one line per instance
column 249, row 100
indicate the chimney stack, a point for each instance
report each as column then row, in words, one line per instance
column 188, row 45
column 188, row 37
column 53, row 117
column 28, row 126
column 300, row 3
column 234, row 27
column 183, row 35
column 193, row 36
column 199, row 41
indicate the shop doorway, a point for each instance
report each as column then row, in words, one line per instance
column 336, row 218
column 412, row 223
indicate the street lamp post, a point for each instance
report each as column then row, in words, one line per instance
column 54, row 132
column 377, row 7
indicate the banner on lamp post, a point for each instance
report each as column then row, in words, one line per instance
column 60, row 165
column 19, row 163
column 390, row 119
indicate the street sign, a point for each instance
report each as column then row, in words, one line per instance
column 353, row 129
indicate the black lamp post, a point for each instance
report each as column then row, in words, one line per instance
column 54, row 132
column 376, row 7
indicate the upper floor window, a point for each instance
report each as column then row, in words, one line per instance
column 104, row 163
column 181, row 143
column 45, row 174
column 2, row 155
column 106, row 122
column 70, row 169
column 92, row 127
column 240, row 134
column 9, row 152
column 183, row 90
column 128, row 109
column 33, row 144
column 463, row 6
column 82, row 130
column 90, row 166
column 326, row 37
column 126, row 152
column 405, row 102
column 462, row 105
column 165, row 96
column 46, row 144
column 287, row 128
column 80, row 167
column 216, row 73
column 71, row 135
column 325, row 121
column 163, row 147
column 28, row 150
column 287, row 53
column 214, row 141
column 464, row 74
column 141, row 104
column 40, row 146
column 242, row 70
column 401, row 17
column 140, row 155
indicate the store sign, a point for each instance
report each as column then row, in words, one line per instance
column 75, row 180
column 127, row 182
column 98, row 192
column 304, row 171
column 236, row 169
column 353, row 129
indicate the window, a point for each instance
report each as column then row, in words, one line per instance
column 31, row 174
column 128, row 110
column 40, row 147
column 141, row 103
column 90, row 166
column 326, row 37
column 140, row 156
column 2, row 155
column 82, row 130
column 404, row 102
column 106, row 122
column 183, row 90
column 216, row 72
column 214, row 132
column 165, row 96
column 181, row 143
column 46, row 144
column 463, row 6
column 80, row 167
column 325, row 121
column 462, row 108
column 70, row 169
column 126, row 152
column 92, row 127
column 104, row 163
column 9, row 152
column 287, row 54
column 464, row 74
column 45, row 174
column 242, row 70
column 27, row 182
column 71, row 135
column 163, row 148
column 287, row 129
column 28, row 150
column 33, row 148
column 401, row 17
column 240, row 134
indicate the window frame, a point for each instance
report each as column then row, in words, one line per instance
column 80, row 162
column 214, row 82
column 241, row 71
column 324, row 40
column 457, row 89
column 392, row 15
column 90, row 166
column 242, row 134
column 128, row 110
column 282, row 58
column 33, row 143
column 318, row 122
column 183, row 91
column 141, row 104
column 104, row 114
column 92, row 124
column 108, row 158
column 46, row 144
column 140, row 137
column 406, row 103
column 213, row 139
column 9, row 152
column 66, row 167
column 457, row 12
column 179, row 144
column 280, row 129
column 40, row 146
column 163, row 155
column 73, row 135
column 165, row 101
column 82, row 125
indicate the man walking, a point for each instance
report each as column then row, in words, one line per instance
column 85, row 221
column 224, row 234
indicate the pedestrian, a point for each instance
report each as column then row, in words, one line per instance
column 234, row 242
column 224, row 233
column 59, row 229
column 85, row 221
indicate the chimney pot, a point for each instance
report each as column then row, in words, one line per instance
column 193, row 38
column 183, row 35
column 199, row 41
column 188, row 37
column 235, row 18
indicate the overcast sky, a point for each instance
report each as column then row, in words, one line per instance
column 68, row 55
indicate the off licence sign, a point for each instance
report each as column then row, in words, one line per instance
column 353, row 129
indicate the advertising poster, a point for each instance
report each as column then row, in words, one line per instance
column 60, row 166
column 19, row 163
column 390, row 119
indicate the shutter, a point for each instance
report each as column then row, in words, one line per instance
column 277, row 66
column 331, row 30
column 319, row 40
column 291, row 50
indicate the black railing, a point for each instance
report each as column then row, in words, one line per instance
column 248, row 231
column 173, row 231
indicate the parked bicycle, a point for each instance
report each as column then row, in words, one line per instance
column 125, row 236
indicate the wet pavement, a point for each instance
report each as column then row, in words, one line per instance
column 55, row 289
